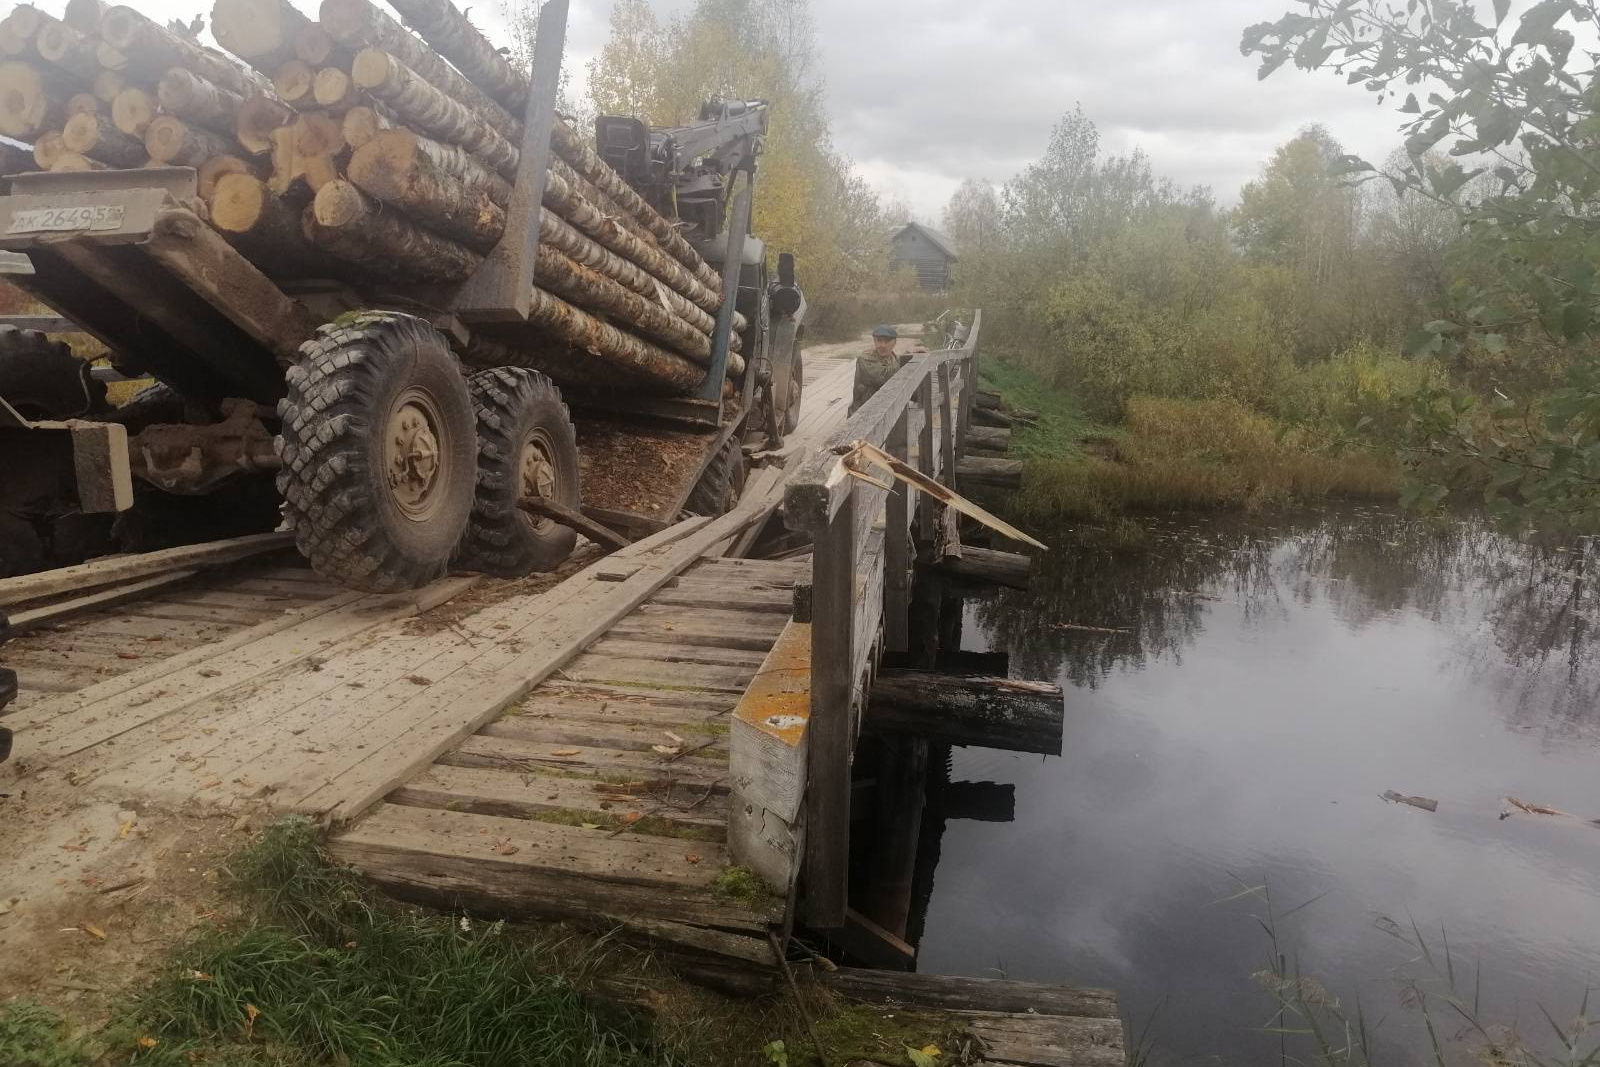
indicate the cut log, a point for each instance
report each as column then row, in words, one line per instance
column 215, row 169
column 107, row 84
column 110, row 58
column 84, row 15
column 353, row 226
column 991, row 437
column 68, row 161
column 260, row 32
column 295, row 82
column 988, row 565
column 333, row 90
column 24, row 21
column 101, row 572
column 189, row 96
column 133, row 110
column 313, row 45
column 66, row 49
column 152, row 50
column 363, row 123
column 173, row 141
column 986, row 398
column 96, row 137
column 998, row 473
column 258, row 116
column 417, row 102
column 597, row 337
column 440, row 186
column 241, row 204
column 963, row 710
column 562, row 235
column 585, row 161
column 84, row 104
column 359, row 24
column 11, row 46
column 316, row 133
column 455, row 38
column 293, row 169
column 47, row 148
column 563, row 196
column 28, row 105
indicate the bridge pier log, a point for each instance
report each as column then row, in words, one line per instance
column 986, row 565
column 995, row 473
column 962, row 710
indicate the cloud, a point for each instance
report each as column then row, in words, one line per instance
column 925, row 93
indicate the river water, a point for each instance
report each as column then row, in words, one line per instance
column 1275, row 677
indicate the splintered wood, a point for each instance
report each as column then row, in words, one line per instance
column 416, row 129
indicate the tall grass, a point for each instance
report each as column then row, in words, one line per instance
column 1174, row 454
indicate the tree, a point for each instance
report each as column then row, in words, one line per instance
column 809, row 200
column 1503, row 98
column 972, row 217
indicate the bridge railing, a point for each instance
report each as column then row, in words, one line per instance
column 861, row 574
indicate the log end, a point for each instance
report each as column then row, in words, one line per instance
column 119, row 26
column 132, row 111
column 339, row 204
column 370, row 68
column 237, row 202
column 164, row 138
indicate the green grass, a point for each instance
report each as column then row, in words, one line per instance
column 1175, row 454
column 321, row 973
column 1062, row 427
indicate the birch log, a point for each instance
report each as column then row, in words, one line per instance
column 177, row 143
column 454, row 37
column 419, row 103
column 189, row 96
column 133, row 110
column 353, row 226
column 94, row 136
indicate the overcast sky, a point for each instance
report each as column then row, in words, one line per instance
column 924, row 93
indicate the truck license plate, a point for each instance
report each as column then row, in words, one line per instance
column 83, row 217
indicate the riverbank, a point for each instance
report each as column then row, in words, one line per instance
column 289, row 959
column 1169, row 454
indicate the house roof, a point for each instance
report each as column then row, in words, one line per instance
column 940, row 240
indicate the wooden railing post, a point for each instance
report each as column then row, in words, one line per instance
column 947, row 426
column 897, row 547
column 925, row 461
column 831, row 732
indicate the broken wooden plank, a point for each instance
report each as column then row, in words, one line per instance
column 22, row 621
column 110, row 569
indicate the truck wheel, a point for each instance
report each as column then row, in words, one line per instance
column 378, row 451
column 791, row 408
column 721, row 483
column 42, row 379
column 21, row 549
column 526, row 447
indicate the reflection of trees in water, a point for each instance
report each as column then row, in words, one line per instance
column 1522, row 613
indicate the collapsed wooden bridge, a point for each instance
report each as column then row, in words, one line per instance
column 661, row 742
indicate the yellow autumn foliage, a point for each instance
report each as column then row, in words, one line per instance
column 809, row 200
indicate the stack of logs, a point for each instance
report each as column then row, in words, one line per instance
column 353, row 146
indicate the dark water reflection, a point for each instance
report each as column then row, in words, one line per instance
column 1276, row 677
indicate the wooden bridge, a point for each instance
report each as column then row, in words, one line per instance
column 623, row 745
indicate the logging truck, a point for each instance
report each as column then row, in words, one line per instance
column 387, row 295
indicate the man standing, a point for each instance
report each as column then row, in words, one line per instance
column 878, row 366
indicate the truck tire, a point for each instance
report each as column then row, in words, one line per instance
column 378, row 450
column 526, row 446
column 720, row 484
column 42, row 379
column 797, row 380
column 21, row 548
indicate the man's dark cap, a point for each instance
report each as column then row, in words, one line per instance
column 887, row 332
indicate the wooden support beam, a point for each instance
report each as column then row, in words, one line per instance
column 986, row 398
column 949, row 993
column 1002, row 713
column 992, row 437
column 926, row 461
column 998, row 473
column 987, row 565
column 947, row 424
column 864, row 940
column 831, row 734
column 897, row 827
column 897, row 547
